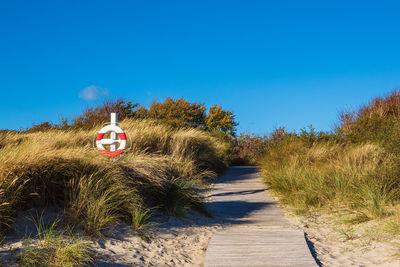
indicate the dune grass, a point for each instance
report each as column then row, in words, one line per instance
column 59, row 167
column 352, row 173
column 358, row 178
column 353, row 189
column 53, row 247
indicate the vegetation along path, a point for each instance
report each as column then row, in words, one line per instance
column 256, row 233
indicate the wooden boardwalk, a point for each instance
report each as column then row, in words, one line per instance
column 256, row 233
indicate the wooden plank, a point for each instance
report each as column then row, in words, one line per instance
column 257, row 233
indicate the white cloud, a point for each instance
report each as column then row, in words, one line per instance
column 93, row 92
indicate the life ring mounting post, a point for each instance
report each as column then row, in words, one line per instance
column 117, row 141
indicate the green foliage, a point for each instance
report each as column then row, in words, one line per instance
column 54, row 248
column 220, row 120
column 192, row 114
column 374, row 201
column 181, row 112
column 140, row 217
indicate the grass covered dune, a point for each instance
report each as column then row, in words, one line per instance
column 347, row 180
column 61, row 168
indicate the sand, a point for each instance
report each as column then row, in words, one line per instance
column 169, row 241
column 335, row 244
column 175, row 242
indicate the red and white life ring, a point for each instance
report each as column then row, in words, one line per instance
column 100, row 141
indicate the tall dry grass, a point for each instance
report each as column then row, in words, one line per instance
column 324, row 177
column 352, row 173
column 60, row 167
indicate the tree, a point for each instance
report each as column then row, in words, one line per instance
column 192, row 114
column 221, row 120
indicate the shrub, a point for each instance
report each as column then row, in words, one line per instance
column 220, row 120
column 93, row 116
column 182, row 113
column 248, row 149
column 44, row 126
column 378, row 122
column 192, row 114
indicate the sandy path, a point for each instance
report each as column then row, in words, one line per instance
column 335, row 247
column 175, row 242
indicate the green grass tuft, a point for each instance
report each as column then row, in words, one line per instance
column 51, row 247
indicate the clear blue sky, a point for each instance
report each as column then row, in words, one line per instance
column 290, row 63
